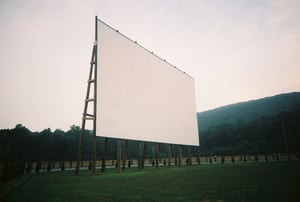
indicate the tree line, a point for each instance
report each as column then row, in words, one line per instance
column 264, row 126
column 265, row 135
column 20, row 144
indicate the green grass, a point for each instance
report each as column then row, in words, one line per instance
column 273, row 181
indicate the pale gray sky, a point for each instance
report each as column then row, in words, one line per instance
column 236, row 50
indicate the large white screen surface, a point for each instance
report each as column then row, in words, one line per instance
column 140, row 96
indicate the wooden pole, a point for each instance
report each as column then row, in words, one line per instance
column 180, row 155
column 198, row 157
column 104, row 155
column 79, row 152
column 156, row 155
column 94, row 155
column 125, row 155
column 189, row 155
column 138, row 155
column 119, row 155
column 169, row 154
column 144, row 155
column 95, row 97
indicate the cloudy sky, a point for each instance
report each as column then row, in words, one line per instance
column 236, row 51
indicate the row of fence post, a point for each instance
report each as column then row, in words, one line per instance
column 11, row 170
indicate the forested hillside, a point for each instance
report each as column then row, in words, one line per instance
column 255, row 126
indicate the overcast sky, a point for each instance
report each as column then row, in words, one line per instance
column 236, row 51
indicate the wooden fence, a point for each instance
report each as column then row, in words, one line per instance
column 11, row 170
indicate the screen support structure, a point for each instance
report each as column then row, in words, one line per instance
column 93, row 100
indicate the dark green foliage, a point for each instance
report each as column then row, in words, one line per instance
column 5, row 175
column 20, row 144
column 248, row 111
column 252, row 127
column 11, row 170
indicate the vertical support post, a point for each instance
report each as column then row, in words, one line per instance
column 169, row 154
column 94, row 155
column 119, row 155
column 156, row 155
column 95, row 97
column 104, row 155
column 144, row 155
column 138, row 155
column 180, row 155
column 198, row 157
column 125, row 155
column 189, row 155
column 79, row 152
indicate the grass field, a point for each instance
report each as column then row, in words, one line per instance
column 272, row 181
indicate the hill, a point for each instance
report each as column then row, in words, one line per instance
column 249, row 111
column 233, row 128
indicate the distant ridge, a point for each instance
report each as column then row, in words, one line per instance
column 249, row 110
column 252, row 127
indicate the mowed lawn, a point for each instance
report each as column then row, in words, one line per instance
column 262, row 181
